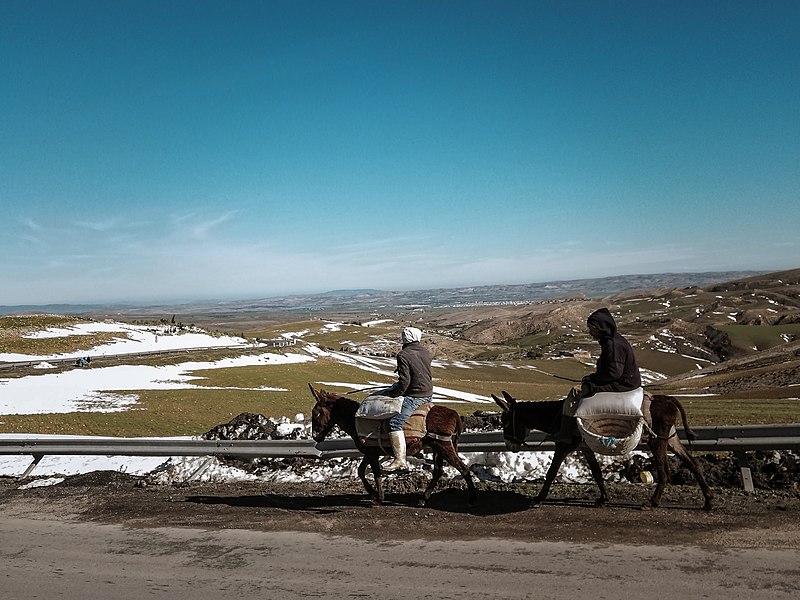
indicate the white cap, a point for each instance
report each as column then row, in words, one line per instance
column 411, row 334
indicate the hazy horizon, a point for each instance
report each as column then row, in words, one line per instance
column 689, row 278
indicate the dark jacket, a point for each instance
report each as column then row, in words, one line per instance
column 413, row 371
column 616, row 370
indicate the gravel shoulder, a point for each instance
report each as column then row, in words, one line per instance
column 340, row 508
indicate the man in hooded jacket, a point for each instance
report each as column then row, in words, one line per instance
column 616, row 370
column 415, row 384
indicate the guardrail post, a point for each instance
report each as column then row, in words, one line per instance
column 744, row 466
column 201, row 469
column 32, row 466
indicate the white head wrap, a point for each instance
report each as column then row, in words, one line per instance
column 410, row 334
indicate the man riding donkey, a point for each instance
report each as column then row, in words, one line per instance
column 415, row 385
column 616, row 371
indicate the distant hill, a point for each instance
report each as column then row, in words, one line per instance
column 359, row 300
column 733, row 336
column 64, row 309
column 739, row 338
column 350, row 293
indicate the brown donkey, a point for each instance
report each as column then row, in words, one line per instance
column 661, row 414
column 332, row 409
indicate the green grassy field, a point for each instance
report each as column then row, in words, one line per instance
column 760, row 337
column 194, row 411
column 666, row 362
column 741, row 410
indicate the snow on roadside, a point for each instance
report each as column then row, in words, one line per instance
column 14, row 465
column 507, row 467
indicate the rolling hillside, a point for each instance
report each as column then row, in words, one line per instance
column 739, row 339
column 730, row 351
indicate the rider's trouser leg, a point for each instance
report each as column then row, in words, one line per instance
column 396, row 435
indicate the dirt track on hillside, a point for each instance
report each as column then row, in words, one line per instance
column 764, row 519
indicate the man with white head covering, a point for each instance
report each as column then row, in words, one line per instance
column 415, row 384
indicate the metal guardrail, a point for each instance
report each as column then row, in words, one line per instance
column 158, row 447
column 41, row 447
column 736, row 439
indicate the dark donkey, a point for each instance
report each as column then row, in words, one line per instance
column 332, row 409
column 661, row 414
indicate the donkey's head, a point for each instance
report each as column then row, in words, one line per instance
column 514, row 430
column 322, row 420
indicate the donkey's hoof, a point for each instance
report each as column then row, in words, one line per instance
column 708, row 506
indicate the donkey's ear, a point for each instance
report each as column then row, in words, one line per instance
column 313, row 392
column 501, row 403
column 509, row 398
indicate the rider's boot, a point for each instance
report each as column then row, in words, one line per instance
column 398, row 439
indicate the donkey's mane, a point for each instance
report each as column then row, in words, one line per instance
column 342, row 412
column 544, row 414
column 344, row 403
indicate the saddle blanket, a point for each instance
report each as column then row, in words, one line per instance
column 375, row 431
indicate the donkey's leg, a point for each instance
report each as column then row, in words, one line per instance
column 438, row 463
column 374, row 463
column 597, row 474
column 658, row 446
column 691, row 464
column 377, row 474
column 561, row 452
column 451, row 454
column 362, row 474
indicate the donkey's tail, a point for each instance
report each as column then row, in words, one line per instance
column 458, row 430
column 690, row 434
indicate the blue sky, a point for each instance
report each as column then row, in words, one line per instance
column 199, row 150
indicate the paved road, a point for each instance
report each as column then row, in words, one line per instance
column 48, row 559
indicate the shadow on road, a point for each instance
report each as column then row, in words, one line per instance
column 451, row 501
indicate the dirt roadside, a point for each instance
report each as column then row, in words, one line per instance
column 761, row 520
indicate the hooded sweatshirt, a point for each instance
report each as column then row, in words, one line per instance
column 616, row 369
column 413, row 371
